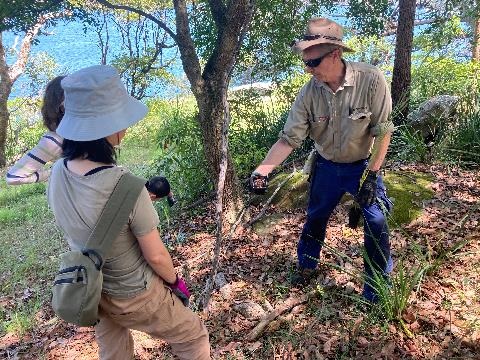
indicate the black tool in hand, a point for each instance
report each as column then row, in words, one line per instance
column 258, row 183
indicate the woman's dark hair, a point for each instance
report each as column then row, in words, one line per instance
column 96, row 150
column 52, row 106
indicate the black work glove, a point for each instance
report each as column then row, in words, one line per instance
column 368, row 191
column 258, row 183
column 354, row 214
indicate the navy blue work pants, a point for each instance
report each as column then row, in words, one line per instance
column 329, row 183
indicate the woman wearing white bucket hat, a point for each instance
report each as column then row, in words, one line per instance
column 139, row 281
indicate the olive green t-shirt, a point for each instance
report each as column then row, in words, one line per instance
column 342, row 124
column 77, row 202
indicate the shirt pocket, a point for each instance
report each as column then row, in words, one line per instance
column 319, row 128
column 358, row 123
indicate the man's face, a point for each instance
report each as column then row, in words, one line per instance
column 321, row 70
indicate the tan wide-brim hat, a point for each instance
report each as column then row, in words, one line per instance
column 97, row 105
column 321, row 31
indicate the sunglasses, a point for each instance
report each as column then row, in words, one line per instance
column 313, row 63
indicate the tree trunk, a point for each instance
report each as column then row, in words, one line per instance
column 401, row 80
column 476, row 40
column 210, row 85
column 5, row 89
column 211, row 116
column 4, row 117
column 9, row 74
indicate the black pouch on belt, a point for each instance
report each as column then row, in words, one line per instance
column 354, row 214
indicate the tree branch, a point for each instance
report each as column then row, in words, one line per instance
column 279, row 310
column 139, row 12
column 218, row 9
column 190, row 61
column 19, row 66
column 394, row 27
column 230, row 37
column 188, row 54
column 269, row 201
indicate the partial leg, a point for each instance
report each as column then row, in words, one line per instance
column 325, row 193
column 161, row 314
column 115, row 342
column 377, row 244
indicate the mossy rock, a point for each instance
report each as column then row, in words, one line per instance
column 407, row 189
column 292, row 195
column 265, row 225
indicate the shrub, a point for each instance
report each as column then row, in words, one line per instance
column 257, row 121
column 254, row 128
column 179, row 155
column 146, row 130
column 443, row 76
column 409, row 145
column 458, row 138
column 25, row 128
column 462, row 144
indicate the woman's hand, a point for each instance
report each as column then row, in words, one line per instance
column 180, row 289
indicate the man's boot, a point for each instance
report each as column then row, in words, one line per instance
column 302, row 277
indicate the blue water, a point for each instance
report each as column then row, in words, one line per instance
column 73, row 48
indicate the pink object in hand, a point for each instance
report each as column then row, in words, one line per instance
column 180, row 289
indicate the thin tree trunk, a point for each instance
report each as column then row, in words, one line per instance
column 220, row 195
column 4, row 117
column 476, row 40
column 209, row 83
column 5, row 89
column 211, row 117
column 9, row 74
column 402, row 79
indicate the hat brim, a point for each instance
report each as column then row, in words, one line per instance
column 83, row 128
column 301, row 45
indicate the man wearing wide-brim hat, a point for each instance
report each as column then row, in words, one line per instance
column 345, row 109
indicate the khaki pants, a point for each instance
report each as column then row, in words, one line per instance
column 156, row 312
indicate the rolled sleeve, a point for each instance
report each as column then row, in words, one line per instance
column 381, row 105
column 382, row 128
column 296, row 128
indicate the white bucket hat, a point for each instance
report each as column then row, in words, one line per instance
column 97, row 105
column 321, row 31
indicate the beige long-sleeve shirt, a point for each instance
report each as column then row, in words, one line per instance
column 342, row 124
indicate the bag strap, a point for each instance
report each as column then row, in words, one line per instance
column 114, row 215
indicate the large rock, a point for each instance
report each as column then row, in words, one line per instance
column 432, row 114
column 249, row 310
column 293, row 194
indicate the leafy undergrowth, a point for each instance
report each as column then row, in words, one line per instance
column 441, row 321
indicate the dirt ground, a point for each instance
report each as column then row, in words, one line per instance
column 442, row 319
